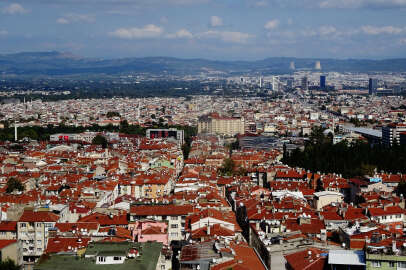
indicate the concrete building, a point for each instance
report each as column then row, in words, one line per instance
column 216, row 124
column 305, row 84
column 391, row 134
column 32, row 230
column 372, row 86
column 10, row 249
column 324, row 198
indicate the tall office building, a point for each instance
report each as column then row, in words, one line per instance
column 323, row 82
column 305, row 84
column 275, row 83
column 373, row 86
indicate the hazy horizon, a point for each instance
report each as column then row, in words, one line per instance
column 207, row 29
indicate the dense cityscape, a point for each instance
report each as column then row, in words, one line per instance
column 202, row 135
column 247, row 172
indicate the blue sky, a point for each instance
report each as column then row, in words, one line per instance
column 212, row 29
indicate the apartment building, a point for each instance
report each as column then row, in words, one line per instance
column 215, row 124
column 33, row 227
column 391, row 133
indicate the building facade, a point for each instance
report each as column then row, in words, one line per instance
column 215, row 124
column 391, row 134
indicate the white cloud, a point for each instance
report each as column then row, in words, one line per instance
column 327, row 30
column 182, row 33
column 14, row 9
column 76, row 18
column 148, row 31
column 62, row 21
column 376, row 30
column 216, row 21
column 362, row 3
column 3, row 33
column 261, row 3
column 227, row 36
column 272, row 24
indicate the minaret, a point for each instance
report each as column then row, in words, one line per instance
column 15, row 131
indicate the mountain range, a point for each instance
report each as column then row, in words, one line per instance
column 58, row 63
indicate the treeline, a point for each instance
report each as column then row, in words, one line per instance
column 43, row 133
column 355, row 159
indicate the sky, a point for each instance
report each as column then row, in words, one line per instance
column 211, row 29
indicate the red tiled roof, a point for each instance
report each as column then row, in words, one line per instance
column 245, row 258
column 105, row 220
column 310, row 259
column 39, row 216
column 216, row 229
column 59, row 244
column 69, row 227
column 161, row 210
column 7, row 226
column 5, row 243
column 390, row 210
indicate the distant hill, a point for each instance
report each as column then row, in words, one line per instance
column 56, row 63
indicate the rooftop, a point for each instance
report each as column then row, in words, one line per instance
column 148, row 259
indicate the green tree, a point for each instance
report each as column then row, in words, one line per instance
column 9, row 264
column 112, row 114
column 100, row 140
column 14, row 184
column 401, row 189
column 228, row 167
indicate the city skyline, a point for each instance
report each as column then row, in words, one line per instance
column 231, row 30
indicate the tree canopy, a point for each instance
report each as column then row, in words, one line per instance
column 356, row 159
column 9, row 264
column 100, row 140
column 14, row 184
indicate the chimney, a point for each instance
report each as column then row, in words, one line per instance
column 208, row 229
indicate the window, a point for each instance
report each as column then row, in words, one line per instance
column 38, row 224
column 174, row 226
column 117, row 258
column 376, row 264
column 402, row 264
column 174, row 234
column 23, row 225
column 174, row 218
column 39, row 242
column 102, row 259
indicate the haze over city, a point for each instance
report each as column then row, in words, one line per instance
column 224, row 30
